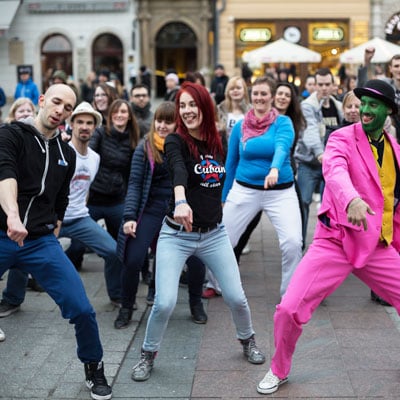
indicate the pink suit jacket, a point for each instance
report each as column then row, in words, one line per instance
column 350, row 171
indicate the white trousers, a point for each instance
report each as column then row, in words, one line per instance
column 282, row 209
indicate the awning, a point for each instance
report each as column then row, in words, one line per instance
column 8, row 10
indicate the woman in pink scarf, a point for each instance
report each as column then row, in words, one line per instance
column 260, row 177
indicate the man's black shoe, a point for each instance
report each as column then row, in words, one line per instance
column 97, row 382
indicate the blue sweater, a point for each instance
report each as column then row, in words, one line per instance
column 252, row 163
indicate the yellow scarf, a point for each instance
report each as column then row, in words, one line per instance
column 158, row 142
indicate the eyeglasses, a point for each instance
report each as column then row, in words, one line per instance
column 100, row 95
column 136, row 96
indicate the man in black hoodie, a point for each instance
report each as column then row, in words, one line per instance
column 36, row 167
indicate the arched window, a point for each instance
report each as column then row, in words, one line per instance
column 176, row 48
column 107, row 54
column 56, row 54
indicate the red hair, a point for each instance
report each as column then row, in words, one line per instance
column 208, row 128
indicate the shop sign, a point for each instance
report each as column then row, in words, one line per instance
column 328, row 34
column 66, row 6
column 255, row 35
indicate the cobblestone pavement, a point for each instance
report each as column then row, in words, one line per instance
column 349, row 350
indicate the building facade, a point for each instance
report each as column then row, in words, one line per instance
column 79, row 36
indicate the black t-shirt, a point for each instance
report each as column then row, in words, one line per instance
column 330, row 115
column 202, row 177
column 331, row 119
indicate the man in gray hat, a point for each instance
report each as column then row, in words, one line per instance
column 358, row 228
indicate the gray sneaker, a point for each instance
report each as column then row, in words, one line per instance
column 142, row 370
column 7, row 309
column 252, row 352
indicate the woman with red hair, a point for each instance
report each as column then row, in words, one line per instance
column 193, row 225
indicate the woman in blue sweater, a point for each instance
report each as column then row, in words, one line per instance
column 259, row 176
column 146, row 203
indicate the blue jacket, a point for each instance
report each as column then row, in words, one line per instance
column 139, row 184
column 27, row 89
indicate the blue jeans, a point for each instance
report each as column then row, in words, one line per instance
column 92, row 235
column 213, row 249
column 112, row 216
column 308, row 179
column 45, row 260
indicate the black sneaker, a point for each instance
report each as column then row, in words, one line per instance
column 123, row 319
column 97, row 382
column 199, row 316
column 7, row 309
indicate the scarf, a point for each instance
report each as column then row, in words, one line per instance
column 253, row 126
column 158, row 142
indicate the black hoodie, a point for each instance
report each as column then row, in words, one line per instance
column 43, row 170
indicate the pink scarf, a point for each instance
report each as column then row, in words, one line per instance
column 253, row 126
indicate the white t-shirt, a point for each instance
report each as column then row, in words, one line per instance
column 231, row 121
column 85, row 172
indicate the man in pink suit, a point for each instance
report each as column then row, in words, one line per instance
column 358, row 228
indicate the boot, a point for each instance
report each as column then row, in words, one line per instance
column 124, row 317
column 97, row 382
column 199, row 316
column 142, row 370
column 251, row 351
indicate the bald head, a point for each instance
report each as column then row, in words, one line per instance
column 55, row 106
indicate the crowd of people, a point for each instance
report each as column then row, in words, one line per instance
column 186, row 183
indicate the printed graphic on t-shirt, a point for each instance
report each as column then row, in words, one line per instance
column 81, row 180
column 330, row 115
column 211, row 172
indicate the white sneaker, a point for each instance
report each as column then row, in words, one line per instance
column 270, row 383
column 246, row 250
column 2, row 336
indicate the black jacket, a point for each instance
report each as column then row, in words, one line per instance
column 111, row 182
column 43, row 170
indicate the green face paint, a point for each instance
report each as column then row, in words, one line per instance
column 373, row 113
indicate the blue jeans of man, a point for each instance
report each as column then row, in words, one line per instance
column 92, row 235
column 214, row 250
column 44, row 258
column 112, row 216
column 309, row 179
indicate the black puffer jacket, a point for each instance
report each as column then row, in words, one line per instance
column 111, row 182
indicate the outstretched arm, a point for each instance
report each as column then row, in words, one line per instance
column 8, row 201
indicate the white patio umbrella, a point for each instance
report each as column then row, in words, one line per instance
column 281, row 51
column 384, row 51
